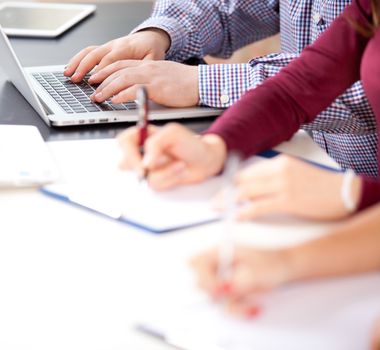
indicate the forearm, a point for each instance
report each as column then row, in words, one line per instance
column 353, row 247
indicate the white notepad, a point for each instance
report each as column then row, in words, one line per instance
column 125, row 198
column 92, row 179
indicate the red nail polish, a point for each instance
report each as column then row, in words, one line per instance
column 226, row 288
column 252, row 311
column 222, row 290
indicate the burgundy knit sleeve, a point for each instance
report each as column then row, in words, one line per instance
column 370, row 192
column 275, row 110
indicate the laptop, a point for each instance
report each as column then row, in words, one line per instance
column 59, row 102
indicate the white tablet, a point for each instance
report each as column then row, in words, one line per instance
column 41, row 19
column 25, row 158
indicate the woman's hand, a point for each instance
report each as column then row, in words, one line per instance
column 150, row 44
column 375, row 344
column 120, row 80
column 286, row 185
column 254, row 272
column 173, row 155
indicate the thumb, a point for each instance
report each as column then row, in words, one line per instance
column 161, row 143
column 150, row 57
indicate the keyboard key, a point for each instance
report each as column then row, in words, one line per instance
column 130, row 105
column 119, row 107
column 79, row 110
column 105, row 107
column 92, row 109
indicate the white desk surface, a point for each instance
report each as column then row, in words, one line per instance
column 70, row 279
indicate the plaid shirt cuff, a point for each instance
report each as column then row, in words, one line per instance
column 175, row 31
column 221, row 85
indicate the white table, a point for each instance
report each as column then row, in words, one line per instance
column 70, row 279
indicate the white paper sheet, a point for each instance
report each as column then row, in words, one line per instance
column 124, row 197
column 93, row 180
column 336, row 314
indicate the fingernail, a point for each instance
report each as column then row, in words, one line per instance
column 147, row 160
column 99, row 96
column 180, row 168
column 252, row 311
column 226, row 287
column 222, row 289
column 75, row 76
column 140, row 172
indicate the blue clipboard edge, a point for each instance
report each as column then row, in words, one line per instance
column 150, row 229
column 272, row 153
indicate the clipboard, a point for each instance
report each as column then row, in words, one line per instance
column 120, row 196
column 135, row 204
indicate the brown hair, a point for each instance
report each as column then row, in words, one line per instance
column 368, row 30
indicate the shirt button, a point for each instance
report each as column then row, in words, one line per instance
column 316, row 17
column 224, row 99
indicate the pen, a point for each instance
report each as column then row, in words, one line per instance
column 227, row 245
column 142, row 122
column 226, row 248
column 178, row 341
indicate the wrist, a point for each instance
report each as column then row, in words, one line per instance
column 303, row 261
column 290, row 268
column 192, row 85
column 217, row 152
column 161, row 36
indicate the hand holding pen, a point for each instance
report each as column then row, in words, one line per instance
column 173, row 155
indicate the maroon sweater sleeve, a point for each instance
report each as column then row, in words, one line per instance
column 370, row 192
column 275, row 110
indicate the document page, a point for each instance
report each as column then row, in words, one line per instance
column 331, row 314
column 92, row 179
column 122, row 196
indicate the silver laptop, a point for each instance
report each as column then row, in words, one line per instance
column 60, row 102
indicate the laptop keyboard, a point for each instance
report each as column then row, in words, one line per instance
column 74, row 98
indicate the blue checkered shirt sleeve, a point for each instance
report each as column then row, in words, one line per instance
column 222, row 85
column 212, row 27
column 233, row 80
